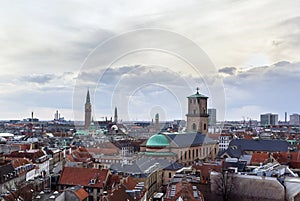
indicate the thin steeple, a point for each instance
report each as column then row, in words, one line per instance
column 88, row 99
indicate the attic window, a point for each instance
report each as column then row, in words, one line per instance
column 234, row 147
column 92, row 181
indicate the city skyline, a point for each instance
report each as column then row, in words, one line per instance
column 253, row 46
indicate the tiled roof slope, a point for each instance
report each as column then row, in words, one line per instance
column 82, row 176
column 238, row 147
column 190, row 139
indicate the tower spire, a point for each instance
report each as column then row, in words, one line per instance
column 88, row 99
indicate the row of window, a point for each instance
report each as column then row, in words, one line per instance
column 224, row 142
column 197, row 153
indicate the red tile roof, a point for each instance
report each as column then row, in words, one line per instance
column 129, row 183
column 205, row 169
column 258, row 158
column 295, row 156
column 113, row 180
column 281, row 157
column 22, row 147
column 117, row 194
column 70, row 158
column 80, row 155
column 72, row 176
column 81, row 194
column 185, row 191
column 294, row 159
column 214, row 136
column 33, row 154
column 17, row 162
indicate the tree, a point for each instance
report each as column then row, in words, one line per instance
column 17, row 191
column 223, row 183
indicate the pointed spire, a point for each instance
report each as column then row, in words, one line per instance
column 88, row 99
column 197, row 90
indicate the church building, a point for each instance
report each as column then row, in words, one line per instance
column 190, row 146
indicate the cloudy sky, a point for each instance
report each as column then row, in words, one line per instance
column 147, row 56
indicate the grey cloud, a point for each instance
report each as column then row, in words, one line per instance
column 282, row 63
column 38, row 78
column 270, row 87
column 228, row 70
column 140, row 88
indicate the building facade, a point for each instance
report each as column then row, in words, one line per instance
column 294, row 119
column 212, row 116
column 185, row 148
column 224, row 140
column 268, row 119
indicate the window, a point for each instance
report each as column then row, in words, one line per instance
column 170, row 175
column 204, row 126
column 194, row 127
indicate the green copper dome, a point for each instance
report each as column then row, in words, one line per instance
column 158, row 140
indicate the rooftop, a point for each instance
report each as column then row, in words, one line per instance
column 197, row 95
column 238, row 147
column 158, row 140
column 73, row 176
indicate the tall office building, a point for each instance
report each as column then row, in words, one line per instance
column 268, row 119
column 197, row 117
column 116, row 116
column 212, row 116
column 294, row 119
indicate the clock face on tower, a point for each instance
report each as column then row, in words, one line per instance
column 88, row 107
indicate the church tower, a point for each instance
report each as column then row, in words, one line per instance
column 88, row 111
column 197, row 116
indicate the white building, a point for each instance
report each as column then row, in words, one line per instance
column 224, row 140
